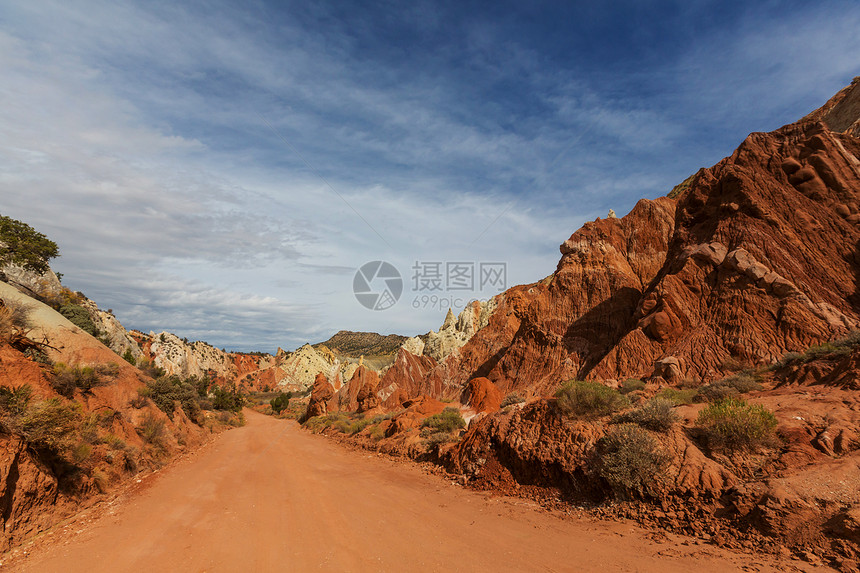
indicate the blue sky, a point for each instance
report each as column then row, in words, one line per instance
column 221, row 171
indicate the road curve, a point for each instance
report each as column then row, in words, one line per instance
column 272, row 497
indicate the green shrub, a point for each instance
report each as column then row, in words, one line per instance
column 51, row 423
column 630, row 460
column 80, row 317
column 15, row 400
column 280, row 402
column 228, row 399
column 149, row 368
column 631, row 385
column 734, row 424
column 656, row 414
column 678, row 396
column 165, row 391
column 581, row 399
column 512, row 398
column 446, row 421
column 128, row 356
column 787, row 358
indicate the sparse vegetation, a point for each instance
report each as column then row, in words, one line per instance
column 66, row 379
column 586, row 399
column 149, row 368
column 729, row 387
column 14, row 318
column 152, row 430
column 446, row 421
column 656, row 414
column 838, row 347
column 631, row 385
column 678, row 396
column 51, row 423
column 734, row 424
column 630, row 460
column 228, row 399
column 15, row 400
column 128, row 356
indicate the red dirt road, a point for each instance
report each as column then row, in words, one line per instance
column 272, row 497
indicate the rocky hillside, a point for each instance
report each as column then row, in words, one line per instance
column 755, row 257
column 77, row 418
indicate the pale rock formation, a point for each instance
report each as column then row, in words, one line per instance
column 455, row 332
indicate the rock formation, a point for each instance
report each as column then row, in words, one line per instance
column 754, row 257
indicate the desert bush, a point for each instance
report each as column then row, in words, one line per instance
column 656, row 414
column 15, row 400
column 787, row 358
column 149, row 368
column 80, row 453
column 14, row 317
column 729, row 387
column 338, row 420
column 630, row 460
column 51, row 423
column 678, row 396
column 733, row 364
column 447, row 420
column 581, row 399
column 734, row 424
column 115, row 442
column 101, row 480
column 436, row 438
column 631, row 385
column 512, row 398
column 152, row 430
column 107, row 370
column 67, row 378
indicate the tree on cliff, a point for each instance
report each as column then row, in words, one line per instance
column 22, row 245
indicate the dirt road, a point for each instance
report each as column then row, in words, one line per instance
column 272, row 497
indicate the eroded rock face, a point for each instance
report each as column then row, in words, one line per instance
column 359, row 393
column 455, row 332
column 401, row 381
column 323, row 398
column 28, row 492
column 111, row 330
